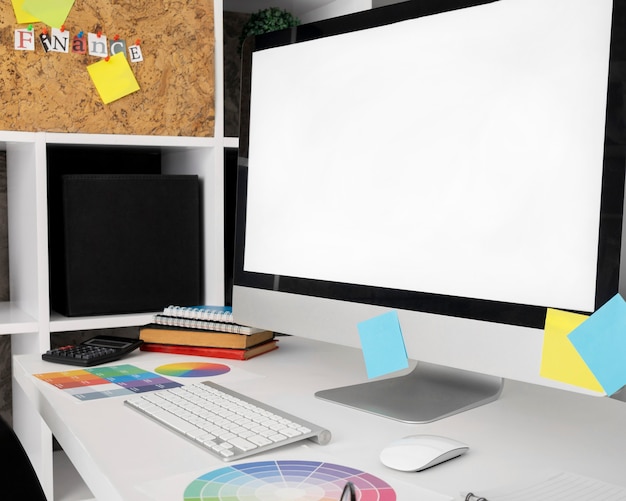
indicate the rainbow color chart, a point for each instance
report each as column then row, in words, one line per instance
column 286, row 481
column 104, row 382
column 192, row 369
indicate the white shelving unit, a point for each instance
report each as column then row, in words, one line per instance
column 27, row 317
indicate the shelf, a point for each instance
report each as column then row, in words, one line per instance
column 15, row 321
column 15, row 137
column 60, row 323
column 68, row 485
column 129, row 140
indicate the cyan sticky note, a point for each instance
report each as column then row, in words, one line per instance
column 601, row 342
column 383, row 344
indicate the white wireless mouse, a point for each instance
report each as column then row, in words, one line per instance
column 418, row 452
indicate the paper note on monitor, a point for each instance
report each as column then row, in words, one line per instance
column 560, row 361
column 383, row 345
column 601, row 342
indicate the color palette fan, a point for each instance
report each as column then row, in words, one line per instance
column 287, row 481
column 192, row 369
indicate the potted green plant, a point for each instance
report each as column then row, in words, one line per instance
column 266, row 20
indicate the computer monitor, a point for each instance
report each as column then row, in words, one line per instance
column 459, row 162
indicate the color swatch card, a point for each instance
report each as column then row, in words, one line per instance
column 104, row 382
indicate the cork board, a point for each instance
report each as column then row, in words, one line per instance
column 53, row 91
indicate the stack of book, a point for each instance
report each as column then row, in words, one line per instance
column 208, row 331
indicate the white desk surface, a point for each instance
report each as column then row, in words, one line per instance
column 529, row 431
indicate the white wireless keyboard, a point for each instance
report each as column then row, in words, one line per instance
column 227, row 424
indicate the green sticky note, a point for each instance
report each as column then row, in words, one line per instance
column 383, row 345
column 21, row 15
column 51, row 12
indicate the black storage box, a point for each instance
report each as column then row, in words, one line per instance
column 125, row 243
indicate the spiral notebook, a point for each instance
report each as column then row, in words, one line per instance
column 201, row 312
column 560, row 487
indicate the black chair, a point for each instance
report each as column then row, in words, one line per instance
column 18, row 479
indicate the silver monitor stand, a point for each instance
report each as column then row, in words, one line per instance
column 427, row 393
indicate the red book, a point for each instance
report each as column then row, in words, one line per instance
column 206, row 351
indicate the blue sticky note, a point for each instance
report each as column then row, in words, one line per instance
column 601, row 342
column 383, row 345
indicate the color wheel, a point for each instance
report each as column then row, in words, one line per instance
column 286, row 481
column 192, row 369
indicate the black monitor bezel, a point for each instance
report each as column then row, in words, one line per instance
column 610, row 230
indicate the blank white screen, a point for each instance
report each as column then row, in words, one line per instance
column 459, row 154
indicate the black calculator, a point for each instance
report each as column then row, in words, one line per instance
column 94, row 351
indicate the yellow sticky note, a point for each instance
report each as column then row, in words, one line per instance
column 560, row 360
column 51, row 12
column 114, row 78
column 21, row 15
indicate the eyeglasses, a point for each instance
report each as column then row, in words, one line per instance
column 348, row 493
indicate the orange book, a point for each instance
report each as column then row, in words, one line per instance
column 207, row 351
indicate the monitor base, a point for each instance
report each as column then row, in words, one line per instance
column 428, row 393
